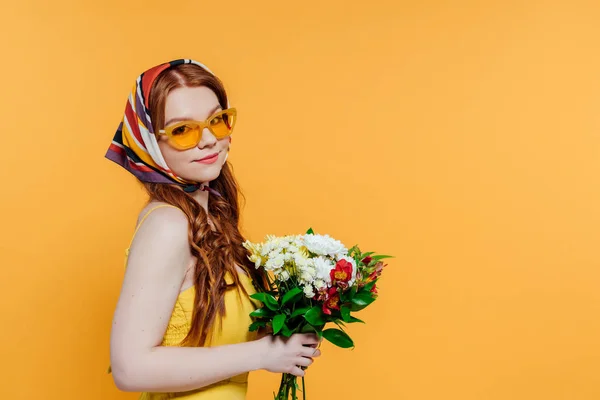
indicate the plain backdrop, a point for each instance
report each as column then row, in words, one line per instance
column 463, row 137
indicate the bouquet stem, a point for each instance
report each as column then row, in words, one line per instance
column 289, row 387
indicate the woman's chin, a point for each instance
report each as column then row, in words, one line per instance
column 208, row 174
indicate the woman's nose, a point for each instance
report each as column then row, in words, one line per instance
column 207, row 139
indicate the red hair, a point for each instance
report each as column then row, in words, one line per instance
column 217, row 252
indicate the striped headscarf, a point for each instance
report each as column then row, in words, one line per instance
column 134, row 146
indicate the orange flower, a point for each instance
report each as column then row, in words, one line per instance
column 332, row 302
column 341, row 274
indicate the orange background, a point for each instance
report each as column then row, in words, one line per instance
column 462, row 137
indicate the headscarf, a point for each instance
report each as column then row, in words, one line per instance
column 134, row 146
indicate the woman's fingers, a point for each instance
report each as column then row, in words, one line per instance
column 310, row 339
column 303, row 361
column 310, row 352
column 297, row 371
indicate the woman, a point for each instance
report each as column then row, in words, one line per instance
column 180, row 327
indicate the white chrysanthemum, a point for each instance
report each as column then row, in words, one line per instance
column 292, row 248
column 301, row 261
column 298, row 242
column 308, row 291
column 319, row 284
column 274, row 253
column 256, row 259
column 284, row 276
column 307, row 275
column 254, row 248
column 266, row 249
column 274, row 263
column 324, row 245
column 323, row 268
column 354, row 269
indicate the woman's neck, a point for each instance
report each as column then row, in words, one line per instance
column 201, row 196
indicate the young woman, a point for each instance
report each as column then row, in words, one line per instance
column 180, row 328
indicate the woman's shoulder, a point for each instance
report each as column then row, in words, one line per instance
column 162, row 211
column 164, row 217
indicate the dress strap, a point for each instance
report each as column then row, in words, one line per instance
column 142, row 221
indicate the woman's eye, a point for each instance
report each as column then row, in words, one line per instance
column 216, row 120
column 180, row 130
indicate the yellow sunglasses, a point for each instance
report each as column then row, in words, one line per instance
column 187, row 134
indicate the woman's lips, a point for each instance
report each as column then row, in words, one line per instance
column 209, row 159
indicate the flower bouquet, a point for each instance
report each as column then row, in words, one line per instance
column 313, row 280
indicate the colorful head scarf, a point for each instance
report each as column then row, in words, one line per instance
column 134, row 146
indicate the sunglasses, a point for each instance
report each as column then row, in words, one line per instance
column 187, row 134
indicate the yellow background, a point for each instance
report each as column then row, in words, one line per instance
column 462, row 137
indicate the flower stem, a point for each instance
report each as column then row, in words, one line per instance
column 287, row 388
column 303, row 390
column 281, row 388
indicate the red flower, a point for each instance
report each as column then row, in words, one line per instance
column 341, row 274
column 377, row 271
column 374, row 290
column 379, row 267
column 374, row 275
column 367, row 260
column 321, row 294
column 332, row 302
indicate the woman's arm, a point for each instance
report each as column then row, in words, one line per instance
column 155, row 271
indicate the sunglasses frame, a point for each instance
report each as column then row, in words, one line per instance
column 168, row 131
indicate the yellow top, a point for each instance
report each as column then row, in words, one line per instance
column 232, row 329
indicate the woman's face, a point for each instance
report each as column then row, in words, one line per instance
column 195, row 103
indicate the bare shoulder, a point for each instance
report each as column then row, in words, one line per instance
column 162, row 222
column 166, row 210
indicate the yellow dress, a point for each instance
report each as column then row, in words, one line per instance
column 232, row 329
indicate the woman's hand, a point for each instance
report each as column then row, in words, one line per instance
column 288, row 355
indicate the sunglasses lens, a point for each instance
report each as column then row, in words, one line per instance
column 186, row 136
column 222, row 124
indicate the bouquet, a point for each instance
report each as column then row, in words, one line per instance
column 313, row 280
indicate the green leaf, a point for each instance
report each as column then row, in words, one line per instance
column 287, row 332
column 267, row 300
column 354, row 319
column 368, row 286
column 381, row 257
column 311, row 329
column 299, row 311
column 257, row 324
column 345, row 311
column 291, row 296
column 261, row 313
column 310, row 231
column 361, row 300
column 338, row 337
column 278, row 323
column 339, row 323
column 346, row 317
column 349, row 294
column 314, row 316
